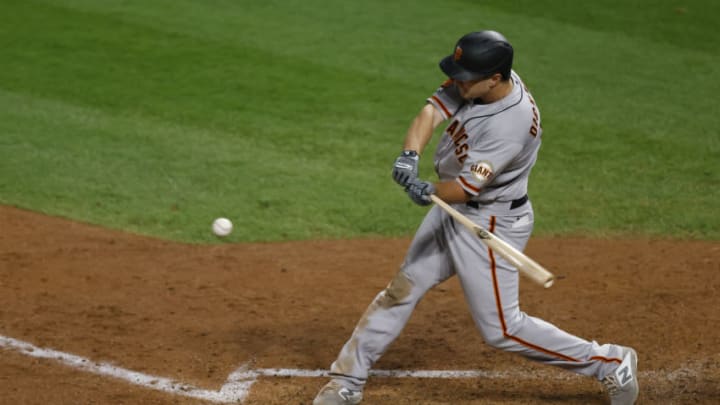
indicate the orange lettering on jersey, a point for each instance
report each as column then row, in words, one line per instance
column 460, row 136
column 536, row 117
column 452, row 127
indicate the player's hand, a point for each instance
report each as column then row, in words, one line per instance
column 405, row 167
column 419, row 191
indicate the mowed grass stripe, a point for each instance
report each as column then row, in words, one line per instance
column 133, row 171
column 683, row 24
column 120, row 66
column 305, row 110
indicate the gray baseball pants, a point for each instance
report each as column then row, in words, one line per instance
column 443, row 248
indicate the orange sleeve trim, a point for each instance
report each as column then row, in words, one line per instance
column 442, row 106
column 469, row 187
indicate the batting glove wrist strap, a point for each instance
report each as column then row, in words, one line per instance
column 419, row 191
column 405, row 167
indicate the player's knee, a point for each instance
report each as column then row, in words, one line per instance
column 496, row 340
column 398, row 291
column 495, row 337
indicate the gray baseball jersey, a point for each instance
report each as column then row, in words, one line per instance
column 489, row 149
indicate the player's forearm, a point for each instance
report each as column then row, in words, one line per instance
column 421, row 129
column 451, row 192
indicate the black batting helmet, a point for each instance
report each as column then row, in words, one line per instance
column 478, row 55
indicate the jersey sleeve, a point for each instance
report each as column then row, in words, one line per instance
column 485, row 160
column 446, row 99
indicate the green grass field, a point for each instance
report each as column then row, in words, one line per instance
column 285, row 116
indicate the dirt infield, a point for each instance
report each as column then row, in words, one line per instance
column 194, row 314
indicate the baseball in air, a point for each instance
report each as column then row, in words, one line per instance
column 222, row 227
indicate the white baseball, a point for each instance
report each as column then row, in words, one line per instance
column 222, row 227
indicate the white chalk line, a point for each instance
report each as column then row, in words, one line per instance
column 553, row 374
column 238, row 384
column 234, row 390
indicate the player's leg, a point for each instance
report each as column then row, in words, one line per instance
column 426, row 265
column 491, row 287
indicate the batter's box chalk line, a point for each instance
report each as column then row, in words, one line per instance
column 238, row 384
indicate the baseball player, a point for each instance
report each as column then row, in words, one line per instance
column 483, row 162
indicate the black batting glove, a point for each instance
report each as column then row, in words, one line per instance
column 419, row 191
column 405, row 167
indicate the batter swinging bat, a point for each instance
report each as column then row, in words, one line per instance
column 524, row 264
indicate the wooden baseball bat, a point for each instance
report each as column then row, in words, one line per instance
column 524, row 264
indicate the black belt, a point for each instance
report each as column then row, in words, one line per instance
column 513, row 204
